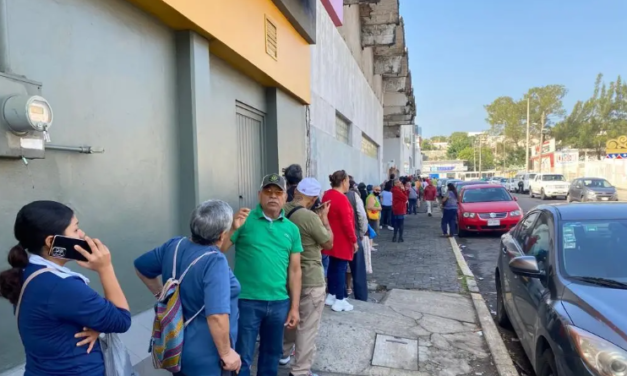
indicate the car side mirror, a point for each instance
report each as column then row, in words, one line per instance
column 515, row 198
column 526, row 266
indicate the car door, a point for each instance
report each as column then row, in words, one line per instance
column 512, row 247
column 534, row 291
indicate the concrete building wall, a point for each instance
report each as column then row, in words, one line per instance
column 165, row 110
column 351, row 32
column 340, row 87
column 398, row 152
column 109, row 72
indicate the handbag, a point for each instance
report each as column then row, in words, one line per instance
column 116, row 358
column 371, row 232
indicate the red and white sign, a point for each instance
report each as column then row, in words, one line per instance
column 567, row 157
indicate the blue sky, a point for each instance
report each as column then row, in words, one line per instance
column 465, row 53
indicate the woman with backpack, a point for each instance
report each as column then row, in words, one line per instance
column 59, row 317
column 196, row 271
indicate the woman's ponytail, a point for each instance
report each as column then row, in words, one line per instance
column 11, row 279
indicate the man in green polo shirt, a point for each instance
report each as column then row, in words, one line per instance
column 267, row 256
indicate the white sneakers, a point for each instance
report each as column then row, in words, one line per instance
column 342, row 305
column 338, row 305
column 330, row 300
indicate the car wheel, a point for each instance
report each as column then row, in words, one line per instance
column 547, row 364
column 530, row 192
column 501, row 314
column 542, row 195
column 583, row 199
column 568, row 198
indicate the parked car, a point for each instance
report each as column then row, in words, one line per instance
column 561, row 283
column 487, row 208
column 495, row 180
column 591, row 189
column 548, row 186
column 512, row 185
column 444, row 186
column 523, row 180
column 460, row 184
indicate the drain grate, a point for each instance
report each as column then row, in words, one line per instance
column 395, row 352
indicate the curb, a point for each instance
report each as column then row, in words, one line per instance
column 500, row 355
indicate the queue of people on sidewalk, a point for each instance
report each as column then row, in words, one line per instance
column 298, row 250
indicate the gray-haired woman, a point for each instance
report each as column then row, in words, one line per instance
column 209, row 291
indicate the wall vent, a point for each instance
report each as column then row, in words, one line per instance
column 272, row 46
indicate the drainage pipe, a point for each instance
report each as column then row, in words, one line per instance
column 5, row 58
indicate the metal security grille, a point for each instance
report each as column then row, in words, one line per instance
column 250, row 131
column 272, row 39
column 342, row 130
column 368, row 147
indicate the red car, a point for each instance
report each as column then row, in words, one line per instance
column 487, row 208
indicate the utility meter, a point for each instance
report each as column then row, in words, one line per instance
column 25, row 113
column 25, row 119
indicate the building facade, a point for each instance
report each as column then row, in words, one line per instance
column 189, row 100
column 346, row 99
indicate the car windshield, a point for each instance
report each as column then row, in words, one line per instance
column 596, row 249
column 553, row 178
column 504, row 180
column 531, row 176
column 597, row 183
column 486, row 195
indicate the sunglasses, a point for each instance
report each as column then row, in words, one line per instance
column 272, row 192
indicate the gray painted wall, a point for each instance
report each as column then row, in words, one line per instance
column 113, row 76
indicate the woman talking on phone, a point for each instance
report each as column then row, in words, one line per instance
column 58, row 315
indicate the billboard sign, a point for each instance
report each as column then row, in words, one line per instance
column 567, row 157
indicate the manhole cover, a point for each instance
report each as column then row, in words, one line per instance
column 395, row 352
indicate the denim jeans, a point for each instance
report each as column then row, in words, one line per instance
column 386, row 215
column 399, row 226
column 266, row 319
column 412, row 206
column 358, row 271
column 336, row 277
column 449, row 219
column 325, row 264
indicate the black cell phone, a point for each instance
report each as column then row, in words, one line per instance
column 63, row 248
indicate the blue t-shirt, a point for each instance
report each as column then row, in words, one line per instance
column 54, row 308
column 451, row 202
column 210, row 283
column 386, row 198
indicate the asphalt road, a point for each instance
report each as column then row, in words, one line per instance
column 481, row 252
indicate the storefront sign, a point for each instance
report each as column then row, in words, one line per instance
column 567, row 157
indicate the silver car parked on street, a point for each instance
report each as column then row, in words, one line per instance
column 591, row 189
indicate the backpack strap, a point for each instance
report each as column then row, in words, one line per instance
column 293, row 211
column 176, row 251
column 30, row 278
column 183, row 276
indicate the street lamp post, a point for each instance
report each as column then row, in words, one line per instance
column 480, row 167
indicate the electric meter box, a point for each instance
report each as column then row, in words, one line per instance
column 25, row 119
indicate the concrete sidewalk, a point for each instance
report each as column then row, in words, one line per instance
column 411, row 329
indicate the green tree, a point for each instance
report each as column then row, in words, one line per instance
column 592, row 122
column 427, row 145
column 457, row 142
column 507, row 117
column 439, row 139
column 470, row 156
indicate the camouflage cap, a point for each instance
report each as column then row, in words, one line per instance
column 274, row 179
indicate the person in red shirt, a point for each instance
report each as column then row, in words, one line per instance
column 342, row 222
column 430, row 193
column 400, row 197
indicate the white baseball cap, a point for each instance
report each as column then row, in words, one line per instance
column 309, row 187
